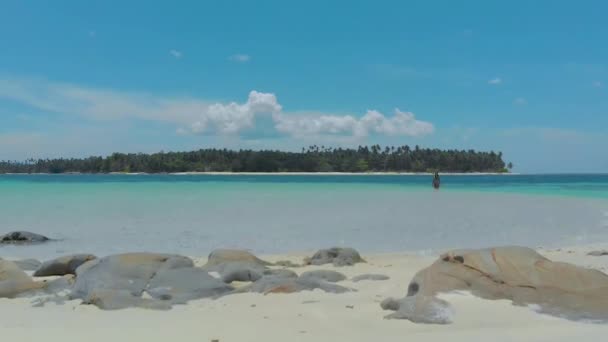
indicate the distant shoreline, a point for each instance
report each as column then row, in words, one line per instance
column 220, row 173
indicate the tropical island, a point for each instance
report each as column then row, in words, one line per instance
column 312, row 159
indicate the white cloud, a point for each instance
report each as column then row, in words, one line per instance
column 495, row 81
column 175, row 53
column 373, row 122
column 520, row 101
column 240, row 58
column 195, row 116
column 597, row 84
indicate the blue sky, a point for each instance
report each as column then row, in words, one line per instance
column 529, row 78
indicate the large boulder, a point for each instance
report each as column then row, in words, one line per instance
column 118, row 281
column 336, row 256
column 63, row 265
column 521, row 275
column 14, row 281
column 22, row 238
column 236, row 265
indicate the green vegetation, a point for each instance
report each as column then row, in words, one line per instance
column 313, row 159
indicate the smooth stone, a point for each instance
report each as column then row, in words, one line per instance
column 239, row 271
column 107, row 280
column 419, row 309
column 180, row 285
column 598, row 253
column 63, row 265
column 521, row 275
column 336, row 256
column 372, row 277
column 219, row 257
column 327, row 275
column 22, row 238
column 14, row 281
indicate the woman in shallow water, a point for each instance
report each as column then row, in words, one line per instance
column 436, row 180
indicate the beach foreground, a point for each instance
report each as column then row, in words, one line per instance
column 307, row 315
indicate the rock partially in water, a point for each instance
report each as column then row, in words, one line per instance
column 118, row 281
column 22, row 238
column 63, row 265
column 326, row 275
column 598, row 253
column 419, row 309
column 371, row 276
column 336, row 256
column 28, row 264
column 519, row 274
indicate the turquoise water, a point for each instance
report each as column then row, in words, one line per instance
column 193, row 214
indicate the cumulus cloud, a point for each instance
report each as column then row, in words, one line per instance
column 196, row 116
column 175, row 53
column 373, row 122
column 240, row 58
column 495, row 81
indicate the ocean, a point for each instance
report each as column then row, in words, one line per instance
column 193, row 214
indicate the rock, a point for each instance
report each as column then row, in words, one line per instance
column 236, row 265
column 276, row 284
column 374, row 277
column 28, row 264
column 219, row 257
column 521, row 275
column 598, row 253
column 336, row 256
column 240, row 271
column 118, row 281
column 14, row 281
column 327, row 275
column 180, row 285
column 281, row 273
column 419, row 309
column 63, row 265
column 22, row 238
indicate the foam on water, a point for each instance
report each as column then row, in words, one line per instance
column 192, row 218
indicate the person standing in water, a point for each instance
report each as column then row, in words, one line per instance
column 436, row 180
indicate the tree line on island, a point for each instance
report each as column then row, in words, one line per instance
column 311, row 159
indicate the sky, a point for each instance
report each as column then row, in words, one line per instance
column 528, row 78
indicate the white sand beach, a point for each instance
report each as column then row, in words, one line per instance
column 307, row 315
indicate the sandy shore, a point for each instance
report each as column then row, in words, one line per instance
column 305, row 316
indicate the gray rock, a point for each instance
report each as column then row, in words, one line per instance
column 220, row 257
column 63, row 265
column 22, row 238
column 287, row 263
column 281, row 273
column 14, row 281
column 327, row 275
column 598, row 253
column 239, row 271
column 373, row 277
column 180, row 285
column 419, row 309
column 277, row 284
column 110, row 282
column 28, row 264
column 336, row 256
